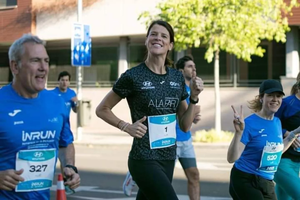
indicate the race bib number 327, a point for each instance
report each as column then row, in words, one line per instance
column 39, row 167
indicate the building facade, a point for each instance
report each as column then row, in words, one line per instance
column 15, row 20
column 118, row 39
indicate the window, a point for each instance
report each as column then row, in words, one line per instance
column 8, row 4
column 136, row 55
column 103, row 71
column 205, row 70
column 259, row 69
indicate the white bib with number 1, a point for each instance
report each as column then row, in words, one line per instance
column 39, row 167
column 162, row 130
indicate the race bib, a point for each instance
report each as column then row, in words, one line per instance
column 162, row 131
column 39, row 168
column 270, row 158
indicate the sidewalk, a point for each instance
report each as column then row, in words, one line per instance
column 94, row 139
column 90, row 138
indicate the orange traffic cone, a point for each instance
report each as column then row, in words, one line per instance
column 60, row 191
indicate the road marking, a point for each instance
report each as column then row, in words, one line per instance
column 94, row 189
column 212, row 158
column 180, row 197
column 209, row 166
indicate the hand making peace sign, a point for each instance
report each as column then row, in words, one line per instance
column 238, row 120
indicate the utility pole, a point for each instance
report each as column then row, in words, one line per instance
column 79, row 80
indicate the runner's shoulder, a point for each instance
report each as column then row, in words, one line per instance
column 50, row 96
column 5, row 92
column 135, row 69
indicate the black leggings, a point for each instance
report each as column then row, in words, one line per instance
column 245, row 186
column 154, row 178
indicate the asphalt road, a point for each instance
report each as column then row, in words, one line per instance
column 103, row 169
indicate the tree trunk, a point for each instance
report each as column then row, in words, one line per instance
column 217, row 94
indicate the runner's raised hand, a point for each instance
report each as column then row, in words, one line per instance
column 238, row 120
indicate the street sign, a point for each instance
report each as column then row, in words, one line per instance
column 81, row 45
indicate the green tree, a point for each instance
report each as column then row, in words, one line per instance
column 233, row 26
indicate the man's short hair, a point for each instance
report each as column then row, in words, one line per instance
column 181, row 62
column 17, row 48
column 64, row 73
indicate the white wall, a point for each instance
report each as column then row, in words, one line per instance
column 106, row 18
column 292, row 53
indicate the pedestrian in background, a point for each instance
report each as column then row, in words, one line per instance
column 63, row 90
column 69, row 96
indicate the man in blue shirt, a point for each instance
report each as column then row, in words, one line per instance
column 185, row 148
column 65, row 92
column 70, row 99
column 33, row 127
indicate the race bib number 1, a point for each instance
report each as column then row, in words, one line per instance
column 39, row 167
column 162, row 131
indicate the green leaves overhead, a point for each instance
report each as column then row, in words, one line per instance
column 234, row 26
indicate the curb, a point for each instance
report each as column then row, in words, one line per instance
column 196, row 145
column 106, row 139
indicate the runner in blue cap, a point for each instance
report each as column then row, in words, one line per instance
column 257, row 145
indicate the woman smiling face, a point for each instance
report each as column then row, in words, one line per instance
column 272, row 102
column 158, row 40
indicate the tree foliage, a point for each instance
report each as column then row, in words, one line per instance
column 234, row 26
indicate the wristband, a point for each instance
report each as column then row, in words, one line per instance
column 119, row 123
column 124, row 126
column 194, row 102
column 73, row 167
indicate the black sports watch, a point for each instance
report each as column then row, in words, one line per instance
column 73, row 167
column 194, row 102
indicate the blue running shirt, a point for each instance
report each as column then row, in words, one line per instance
column 263, row 146
column 183, row 136
column 289, row 114
column 67, row 96
column 149, row 94
column 29, row 128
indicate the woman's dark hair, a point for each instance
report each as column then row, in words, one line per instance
column 296, row 86
column 168, row 61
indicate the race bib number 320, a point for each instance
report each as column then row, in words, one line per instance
column 162, row 130
column 39, row 167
